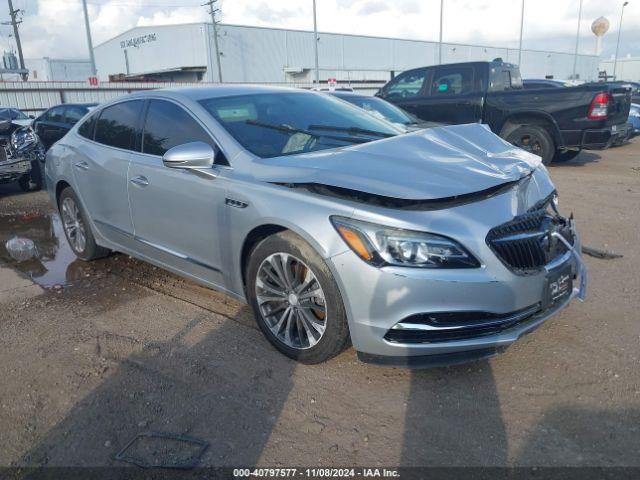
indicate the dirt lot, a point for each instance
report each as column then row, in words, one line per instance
column 118, row 347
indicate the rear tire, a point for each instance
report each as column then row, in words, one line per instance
column 534, row 139
column 294, row 295
column 566, row 155
column 77, row 228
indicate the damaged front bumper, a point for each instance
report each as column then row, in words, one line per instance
column 11, row 169
column 479, row 312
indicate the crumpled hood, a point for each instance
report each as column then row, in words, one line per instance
column 429, row 164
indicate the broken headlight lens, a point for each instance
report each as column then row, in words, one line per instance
column 380, row 246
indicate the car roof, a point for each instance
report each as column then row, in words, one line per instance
column 218, row 91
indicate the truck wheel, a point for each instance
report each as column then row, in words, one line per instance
column 534, row 139
column 32, row 181
column 77, row 229
column 566, row 155
column 295, row 299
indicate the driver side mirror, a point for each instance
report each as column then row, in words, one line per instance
column 190, row 156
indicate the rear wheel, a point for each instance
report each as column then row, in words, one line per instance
column 77, row 228
column 534, row 139
column 566, row 155
column 296, row 300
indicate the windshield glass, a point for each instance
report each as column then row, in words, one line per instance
column 380, row 108
column 287, row 123
column 12, row 114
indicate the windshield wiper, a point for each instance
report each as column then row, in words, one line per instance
column 292, row 130
column 352, row 130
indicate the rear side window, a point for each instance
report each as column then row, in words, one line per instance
column 118, row 125
column 56, row 114
column 452, row 81
column 407, row 85
column 87, row 127
column 168, row 125
column 75, row 113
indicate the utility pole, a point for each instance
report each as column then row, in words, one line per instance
column 521, row 29
column 440, row 42
column 575, row 54
column 87, row 26
column 15, row 22
column 212, row 11
column 315, row 42
column 615, row 61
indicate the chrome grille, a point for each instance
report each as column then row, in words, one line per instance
column 3, row 154
column 525, row 243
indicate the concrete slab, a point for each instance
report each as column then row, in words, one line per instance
column 14, row 286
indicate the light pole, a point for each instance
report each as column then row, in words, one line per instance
column 615, row 61
column 315, row 42
column 87, row 26
column 440, row 41
column 575, row 54
column 521, row 28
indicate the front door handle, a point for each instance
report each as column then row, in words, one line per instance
column 140, row 181
column 82, row 166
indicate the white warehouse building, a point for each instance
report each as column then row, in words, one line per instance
column 255, row 54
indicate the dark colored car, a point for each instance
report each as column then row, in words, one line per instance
column 54, row 124
column 383, row 109
column 554, row 123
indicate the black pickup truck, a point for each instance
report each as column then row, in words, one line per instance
column 552, row 123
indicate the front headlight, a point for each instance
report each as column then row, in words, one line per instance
column 23, row 137
column 379, row 246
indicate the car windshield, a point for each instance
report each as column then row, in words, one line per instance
column 380, row 109
column 288, row 123
column 12, row 114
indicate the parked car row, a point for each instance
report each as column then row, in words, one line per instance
column 24, row 141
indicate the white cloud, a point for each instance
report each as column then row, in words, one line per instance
column 55, row 28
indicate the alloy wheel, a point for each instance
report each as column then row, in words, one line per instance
column 291, row 301
column 73, row 225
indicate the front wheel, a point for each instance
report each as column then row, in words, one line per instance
column 32, row 181
column 534, row 139
column 296, row 300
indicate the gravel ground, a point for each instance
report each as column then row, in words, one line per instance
column 118, row 347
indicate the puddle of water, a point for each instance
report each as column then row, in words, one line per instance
column 55, row 262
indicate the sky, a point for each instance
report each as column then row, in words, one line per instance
column 55, row 28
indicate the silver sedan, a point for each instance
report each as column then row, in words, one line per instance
column 438, row 246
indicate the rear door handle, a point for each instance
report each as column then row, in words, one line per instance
column 82, row 165
column 140, row 181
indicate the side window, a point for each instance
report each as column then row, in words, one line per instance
column 118, row 124
column 452, row 81
column 88, row 127
column 55, row 114
column 75, row 113
column 407, row 85
column 168, row 125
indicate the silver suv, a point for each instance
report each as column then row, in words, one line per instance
column 437, row 246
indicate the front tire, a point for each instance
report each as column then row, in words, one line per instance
column 296, row 300
column 77, row 229
column 32, row 181
column 534, row 139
